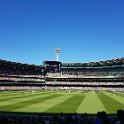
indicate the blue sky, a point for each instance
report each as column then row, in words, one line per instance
column 85, row 30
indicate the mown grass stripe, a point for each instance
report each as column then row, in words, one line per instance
column 43, row 106
column 68, row 106
column 19, row 105
column 91, row 104
column 21, row 96
column 110, row 104
column 2, row 97
column 18, row 100
column 116, row 97
column 7, row 93
column 118, row 94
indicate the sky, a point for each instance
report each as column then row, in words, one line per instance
column 85, row 30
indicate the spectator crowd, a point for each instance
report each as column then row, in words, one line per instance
column 75, row 118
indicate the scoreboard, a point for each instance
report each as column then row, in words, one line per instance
column 52, row 66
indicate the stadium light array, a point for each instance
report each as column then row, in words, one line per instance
column 57, row 50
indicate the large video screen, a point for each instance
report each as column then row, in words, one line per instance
column 52, row 66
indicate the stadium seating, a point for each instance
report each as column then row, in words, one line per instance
column 61, row 118
column 107, row 75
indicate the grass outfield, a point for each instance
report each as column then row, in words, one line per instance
column 61, row 101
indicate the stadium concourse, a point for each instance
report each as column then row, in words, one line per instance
column 85, row 77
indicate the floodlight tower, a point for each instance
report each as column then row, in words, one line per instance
column 57, row 50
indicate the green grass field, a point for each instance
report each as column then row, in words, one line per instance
column 61, row 101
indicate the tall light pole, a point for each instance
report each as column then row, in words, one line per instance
column 57, row 50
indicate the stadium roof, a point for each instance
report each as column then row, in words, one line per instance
column 4, row 63
column 113, row 62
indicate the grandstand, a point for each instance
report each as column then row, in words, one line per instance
column 14, row 75
column 107, row 75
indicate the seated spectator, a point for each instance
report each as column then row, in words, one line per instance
column 104, row 117
column 75, row 118
column 98, row 119
column 120, row 115
column 62, row 118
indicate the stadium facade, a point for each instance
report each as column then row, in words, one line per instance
column 102, row 75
